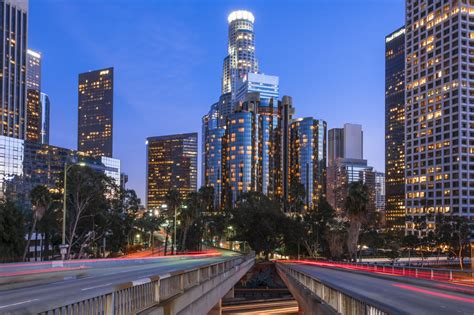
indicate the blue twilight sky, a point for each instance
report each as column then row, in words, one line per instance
column 167, row 55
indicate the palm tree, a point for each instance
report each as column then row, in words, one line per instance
column 173, row 201
column 41, row 200
column 357, row 211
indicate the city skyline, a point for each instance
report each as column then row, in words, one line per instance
column 197, row 54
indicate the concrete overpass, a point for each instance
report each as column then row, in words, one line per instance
column 325, row 288
column 165, row 285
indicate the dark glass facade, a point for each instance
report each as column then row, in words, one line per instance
column 33, row 101
column 308, row 158
column 45, row 113
column 395, row 129
column 171, row 164
column 13, row 38
column 95, row 124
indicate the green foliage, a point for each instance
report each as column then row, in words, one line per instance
column 357, row 212
column 259, row 221
column 12, row 232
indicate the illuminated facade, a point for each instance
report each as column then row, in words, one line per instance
column 241, row 51
column 395, row 129
column 171, row 164
column 308, row 158
column 13, row 33
column 95, row 124
column 380, row 192
column 45, row 112
column 33, row 95
column 26, row 164
column 439, row 106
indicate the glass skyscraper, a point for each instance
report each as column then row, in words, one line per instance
column 241, row 51
column 95, row 114
column 308, row 158
column 171, row 164
column 395, row 129
column 45, row 112
column 13, row 31
column 33, row 101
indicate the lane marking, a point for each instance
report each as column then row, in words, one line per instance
column 19, row 303
column 97, row 286
column 433, row 293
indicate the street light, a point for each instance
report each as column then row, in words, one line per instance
column 63, row 247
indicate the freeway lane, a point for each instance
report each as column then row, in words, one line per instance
column 407, row 298
column 27, row 300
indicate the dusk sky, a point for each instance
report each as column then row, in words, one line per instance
column 168, row 56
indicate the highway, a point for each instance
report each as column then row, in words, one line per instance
column 92, row 281
column 406, row 298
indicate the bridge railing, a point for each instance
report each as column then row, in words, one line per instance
column 339, row 299
column 136, row 296
column 413, row 271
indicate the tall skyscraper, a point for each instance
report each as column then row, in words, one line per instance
column 96, row 103
column 241, row 51
column 395, row 129
column 14, row 34
column 346, row 142
column 335, row 144
column 308, row 158
column 45, row 112
column 248, row 148
column 171, row 164
column 281, row 169
column 347, row 164
column 33, row 95
column 439, row 106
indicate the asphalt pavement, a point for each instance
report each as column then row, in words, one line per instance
column 405, row 298
column 92, row 282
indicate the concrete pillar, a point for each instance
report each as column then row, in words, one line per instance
column 217, row 309
column 230, row 294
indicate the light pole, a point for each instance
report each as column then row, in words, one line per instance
column 63, row 247
column 174, row 232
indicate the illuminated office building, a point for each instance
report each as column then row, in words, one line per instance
column 25, row 164
column 14, row 34
column 95, row 123
column 282, row 148
column 33, row 96
column 45, row 112
column 395, row 129
column 241, row 51
column 308, row 158
column 439, row 107
column 380, row 192
column 212, row 133
column 171, row 164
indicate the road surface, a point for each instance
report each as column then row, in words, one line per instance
column 406, row 298
column 93, row 281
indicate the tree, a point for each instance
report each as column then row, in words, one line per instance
column 260, row 222
column 410, row 241
column 335, row 235
column 12, row 231
column 453, row 232
column 87, row 206
column 357, row 212
column 173, row 202
column 298, row 197
column 41, row 200
column 122, row 220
